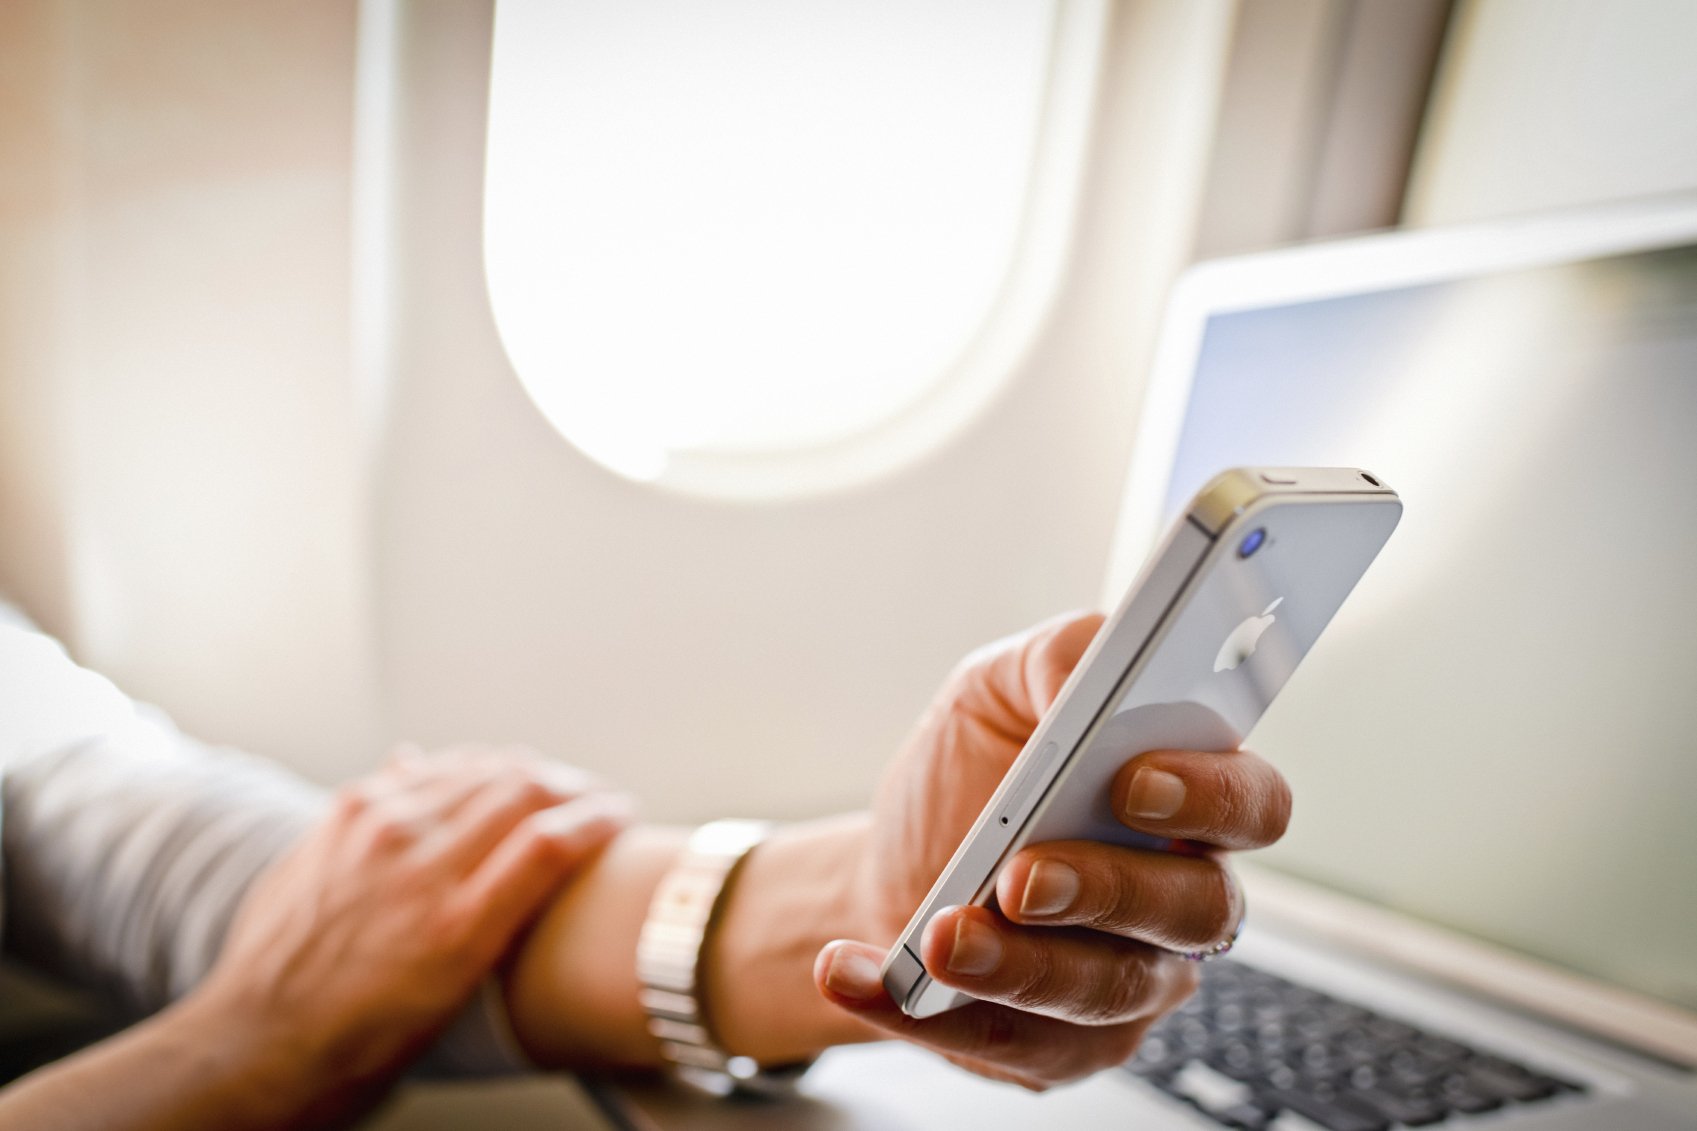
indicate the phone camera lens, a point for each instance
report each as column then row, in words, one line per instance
column 1371, row 480
column 1251, row 542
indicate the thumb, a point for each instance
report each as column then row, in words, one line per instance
column 846, row 973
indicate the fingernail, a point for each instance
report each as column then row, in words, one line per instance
column 1050, row 888
column 1154, row 795
column 853, row 975
column 977, row 949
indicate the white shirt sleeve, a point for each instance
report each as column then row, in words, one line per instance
column 128, row 845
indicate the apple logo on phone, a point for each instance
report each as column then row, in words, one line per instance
column 1240, row 645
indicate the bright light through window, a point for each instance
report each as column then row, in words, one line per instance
column 753, row 227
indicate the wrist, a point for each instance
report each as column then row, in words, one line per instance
column 572, row 987
column 269, row 1068
column 797, row 891
column 224, row 1065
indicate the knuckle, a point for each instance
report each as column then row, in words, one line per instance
column 1237, row 806
column 1128, row 990
column 388, row 827
column 452, row 925
column 1093, row 989
column 518, row 788
column 1124, row 898
column 548, row 848
column 1253, row 802
column 350, row 801
column 1045, row 984
column 537, row 795
column 1212, row 918
column 389, row 831
column 542, row 847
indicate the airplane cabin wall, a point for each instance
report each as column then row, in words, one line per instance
column 180, row 495
column 1559, row 103
column 188, row 497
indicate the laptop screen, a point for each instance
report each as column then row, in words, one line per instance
column 1499, row 731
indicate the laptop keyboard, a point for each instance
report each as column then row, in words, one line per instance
column 1250, row 1045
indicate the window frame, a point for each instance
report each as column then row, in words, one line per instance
column 991, row 354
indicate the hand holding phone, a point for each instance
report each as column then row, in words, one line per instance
column 1209, row 633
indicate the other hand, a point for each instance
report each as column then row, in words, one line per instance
column 355, row 951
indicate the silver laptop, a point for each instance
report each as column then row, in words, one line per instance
column 1485, row 911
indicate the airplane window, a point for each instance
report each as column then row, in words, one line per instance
column 757, row 228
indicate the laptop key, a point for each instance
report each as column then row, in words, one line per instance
column 1237, row 1060
column 1462, row 1094
column 1511, row 1082
column 1156, row 1056
column 1327, row 1113
column 1246, row 1117
column 1414, row 1110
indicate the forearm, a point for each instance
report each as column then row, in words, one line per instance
column 572, row 992
column 182, row 1070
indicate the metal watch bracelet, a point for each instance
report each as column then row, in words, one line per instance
column 686, row 906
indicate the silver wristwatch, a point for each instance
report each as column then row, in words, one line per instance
column 686, row 906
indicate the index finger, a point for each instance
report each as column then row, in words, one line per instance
column 1008, row 685
column 1029, row 1049
column 1234, row 800
column 535, row 857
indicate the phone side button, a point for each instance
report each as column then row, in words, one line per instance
column 901, row 971
column 1032, row 775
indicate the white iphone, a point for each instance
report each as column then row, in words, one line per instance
column 1217, row 621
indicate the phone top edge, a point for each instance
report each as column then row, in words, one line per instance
column 1232, row 493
